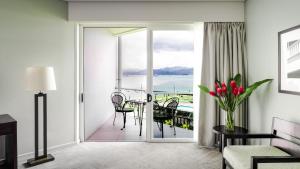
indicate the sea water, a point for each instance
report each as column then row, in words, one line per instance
column 161, row 84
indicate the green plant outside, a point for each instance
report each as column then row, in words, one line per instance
column 185, row 126
column 161, row 98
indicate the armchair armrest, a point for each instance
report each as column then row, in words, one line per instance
column 246, row 136
column 255, row 160
column 250, row 136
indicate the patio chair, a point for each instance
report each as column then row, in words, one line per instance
column 119, row 101
column 165, row 112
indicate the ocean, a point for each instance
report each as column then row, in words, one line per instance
column 161, row 83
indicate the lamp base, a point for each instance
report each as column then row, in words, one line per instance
column 40, row 160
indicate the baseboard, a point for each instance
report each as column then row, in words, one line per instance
column 25, row 156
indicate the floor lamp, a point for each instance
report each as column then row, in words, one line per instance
column 40, row 80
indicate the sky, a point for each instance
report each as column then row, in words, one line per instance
column 170, row 48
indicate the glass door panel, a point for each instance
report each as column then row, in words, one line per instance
column 133, row 56
column 172, row 57
column 133, row 80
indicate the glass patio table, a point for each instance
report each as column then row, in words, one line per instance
column 140, row 110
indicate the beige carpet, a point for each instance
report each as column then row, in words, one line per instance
column 133, row 155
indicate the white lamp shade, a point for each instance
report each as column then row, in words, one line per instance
column 40, row 79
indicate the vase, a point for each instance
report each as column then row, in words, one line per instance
column 230, row 120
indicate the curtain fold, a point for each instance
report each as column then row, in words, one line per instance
column 224, row 55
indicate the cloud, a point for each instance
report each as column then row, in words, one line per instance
column 173, row 41
column 172, row 46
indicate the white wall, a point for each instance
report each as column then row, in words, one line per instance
column 35, row 32
column 156, row 11
column 264, row 19
column 100, row 64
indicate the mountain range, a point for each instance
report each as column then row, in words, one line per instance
column 177, row 70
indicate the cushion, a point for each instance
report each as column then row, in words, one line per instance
column 239, row 157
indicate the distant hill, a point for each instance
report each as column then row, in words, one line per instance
column 163, row 71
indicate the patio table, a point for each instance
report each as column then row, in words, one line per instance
column 140, row 110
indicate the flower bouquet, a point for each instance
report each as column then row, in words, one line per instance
column 230, row 95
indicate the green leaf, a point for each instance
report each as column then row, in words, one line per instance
column 250, row 89
column 204, row 88
column 220, row 102
column 237, row 78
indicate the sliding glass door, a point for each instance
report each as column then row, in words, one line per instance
column 114, row 83
column 170, row 81
column 153, row 68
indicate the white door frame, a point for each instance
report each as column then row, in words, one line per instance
column 79, row 106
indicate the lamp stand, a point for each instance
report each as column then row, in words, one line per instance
column 45, row 157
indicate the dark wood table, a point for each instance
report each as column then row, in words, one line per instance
column 8, row 128
column 223, row 134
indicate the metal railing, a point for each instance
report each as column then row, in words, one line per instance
column 130, row 89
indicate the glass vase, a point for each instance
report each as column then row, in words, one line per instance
column 229, row 121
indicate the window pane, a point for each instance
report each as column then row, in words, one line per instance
column 173, row 53
column 134, row 63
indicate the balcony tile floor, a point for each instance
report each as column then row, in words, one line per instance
column 108, row 132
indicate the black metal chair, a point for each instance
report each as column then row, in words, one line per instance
column 165, row 112
column 119, row 101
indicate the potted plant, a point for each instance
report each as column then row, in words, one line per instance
column 230, row 95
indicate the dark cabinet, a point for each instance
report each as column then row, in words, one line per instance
column 8, row 128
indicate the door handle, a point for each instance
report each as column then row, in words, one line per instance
column 149, row 97
column 81, row 97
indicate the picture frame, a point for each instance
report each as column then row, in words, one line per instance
column 289, row 61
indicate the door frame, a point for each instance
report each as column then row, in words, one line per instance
column 79, row 73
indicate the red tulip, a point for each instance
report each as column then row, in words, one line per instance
column 219, row 91
column 216, row 85
column 223, row 84
column 241, row 90
column 233, row 84
column 224, row 89
column 212, row 93
column 235, row 91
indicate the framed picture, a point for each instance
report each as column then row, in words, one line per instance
column 289, row 61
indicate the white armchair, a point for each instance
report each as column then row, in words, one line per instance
column 282, row 153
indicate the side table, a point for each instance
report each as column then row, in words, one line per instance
column 8, row 128
column 223, row 134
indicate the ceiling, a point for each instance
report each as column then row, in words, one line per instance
column 156, row 0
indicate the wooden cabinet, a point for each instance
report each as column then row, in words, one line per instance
column 8, row 128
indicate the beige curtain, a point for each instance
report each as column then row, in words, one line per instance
column 224, row 55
